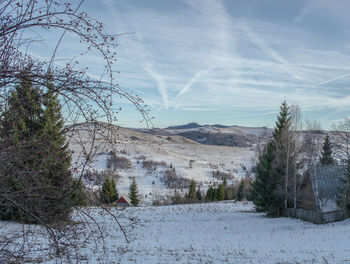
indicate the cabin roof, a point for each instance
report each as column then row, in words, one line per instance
column 125, row 197
column 327, row 184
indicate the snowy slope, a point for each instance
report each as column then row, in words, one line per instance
column 190, row 159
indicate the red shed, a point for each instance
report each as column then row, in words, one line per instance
column 124, row 200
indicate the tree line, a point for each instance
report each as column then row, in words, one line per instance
column 240, row 191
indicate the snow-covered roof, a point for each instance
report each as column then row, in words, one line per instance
column 327, row 185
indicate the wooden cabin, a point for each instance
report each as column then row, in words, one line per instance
column 320, row 193
column 124, row 201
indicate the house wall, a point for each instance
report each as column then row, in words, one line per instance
column 123, row 204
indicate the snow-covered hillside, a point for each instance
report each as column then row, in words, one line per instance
column 149, row 158
column 224, row 232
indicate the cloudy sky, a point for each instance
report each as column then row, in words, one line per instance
column 231, row 62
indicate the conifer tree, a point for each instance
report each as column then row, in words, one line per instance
column 209, row 196
column 199, row 194
column 264, row 183
column 284, row 147
column 19, row 132
column 40, row 166
column 192, row 190
column 58, row 155
column 270, row 186
column 240, row 191
column 109, row 192
column 327, row 153
column 134, row 193
column 220, row 193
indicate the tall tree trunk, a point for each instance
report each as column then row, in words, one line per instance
column 286, row 179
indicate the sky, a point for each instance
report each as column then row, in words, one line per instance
column 229, row 62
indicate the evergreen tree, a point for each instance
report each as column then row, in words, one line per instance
column 273, row 166
column 240, row 191
column 19, row 132
column 134, row 193
column 199, row 194
column 109, row 192
column 220, row 194
column 327, row 153
column 225, row 182
column 284, row 146
column 192, row 190
column 39, row 167
column 264, row 183
column 209, row 196
column 58, row 157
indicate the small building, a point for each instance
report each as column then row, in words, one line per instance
column 124, row 200
column 320, row 193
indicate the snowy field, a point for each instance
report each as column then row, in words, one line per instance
column 211, row 233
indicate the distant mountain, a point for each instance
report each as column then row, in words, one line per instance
column 220, row 139
column 217, row 134
column 220, row 126
column 187, row 126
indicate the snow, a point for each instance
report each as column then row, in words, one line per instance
column 174, row 150
column 225, row 232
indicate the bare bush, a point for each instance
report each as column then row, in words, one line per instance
column 152, row 165
column 98, row 177
column 213, row 166
column 87, row 103
column 221, row 175
column 172, row 180
column 116, row 162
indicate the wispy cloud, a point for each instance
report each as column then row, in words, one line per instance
column 160, row 84
column 273, row 54
column 332, row 79
column 211, row 56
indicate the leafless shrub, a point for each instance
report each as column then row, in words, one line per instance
column 213, row 166
column 221, row 175
column 151, row 165
column 117, row 162
column 123, row 151
column 172, row 180
column 85, row 103
column 98, row 177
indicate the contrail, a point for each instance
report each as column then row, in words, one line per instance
column 331, row 80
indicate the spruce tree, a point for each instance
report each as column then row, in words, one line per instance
column 109, row 192
column 240, row 191
column 284, row 147
column 40, row 166
column 220, row 193
column 264, row 183
column 209, row 196
column 273, row 166
column 192, row 190
column 199, row 194
column 19, row 134
column 58, row 161
column 283, row 121
column 134, row 193
column 327, row 153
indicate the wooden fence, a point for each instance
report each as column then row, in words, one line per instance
column 316, row 217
